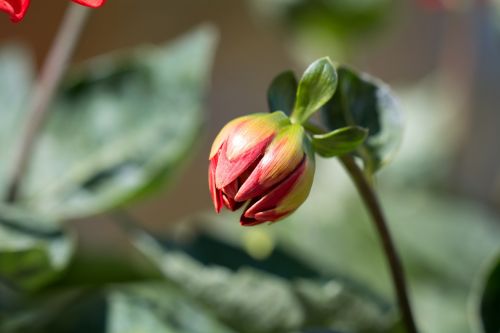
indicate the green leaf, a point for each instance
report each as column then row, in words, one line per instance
column 339, row 142
column 120, row 128
column 281, row 93
column 250, row 300
column 318, row 27
column 16, row 73
column 490, row 299
column 316, row 87
column 141, row 307
column 31, row 259
column 431, row 232
column 363, row 101
column 157, row 308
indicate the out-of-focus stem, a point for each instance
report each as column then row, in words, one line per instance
column 45, row 88
column 377, row 216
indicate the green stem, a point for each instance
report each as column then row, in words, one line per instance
column 45, row 89
column 372, row 204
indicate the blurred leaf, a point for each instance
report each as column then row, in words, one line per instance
column 249, row 300
column 339, row 142
column 316, row 87
column 56, row 312
column 111, row 263
column 444, row 242
column 201, row 298
column 16, row 75
column 490, row 300
column 281, row 93
column 120, row 128
column 157, row 308
column 144, row 307
column 29, row 259
column 431, row 232
column 363, row 101
column 333, row 27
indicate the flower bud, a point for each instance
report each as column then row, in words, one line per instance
column 264, row 161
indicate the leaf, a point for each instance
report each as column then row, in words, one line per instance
column 363, row 101
column 250, row 300
column 339, row 142
column 120, row 128
column 16, row 73
column 318, row 27
column 31, row 259
column 281, row 93
column 431, row 233
column 316, row 87
column 490, row 299
column 157, row 308
column 125, row 308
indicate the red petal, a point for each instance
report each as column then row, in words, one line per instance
column 229, row 170
column 216, row 194
column 262, row 217
column 231, row 189
column 270, row 201
column 15, row 8
column 277, row 163
column 248, row 222
column 91, row 3
column 230, row 203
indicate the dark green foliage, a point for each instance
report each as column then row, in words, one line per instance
column 281, row 93
column 361, row 100
column 490, row 300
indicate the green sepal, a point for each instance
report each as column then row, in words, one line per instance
column 339, row 142
column 281, row 93
column 316, row 87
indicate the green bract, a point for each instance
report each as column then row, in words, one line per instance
column 339, row 142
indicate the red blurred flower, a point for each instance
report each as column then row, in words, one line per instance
column 262, row 160
column 17, row 8
column 91, row 3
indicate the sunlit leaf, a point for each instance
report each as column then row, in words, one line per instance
column 157, row 308
column 248, row 299
column 16, row 74
column 120, row 128
column 316, row 87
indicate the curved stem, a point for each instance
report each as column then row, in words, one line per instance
column 45, row 88
column 372, row 204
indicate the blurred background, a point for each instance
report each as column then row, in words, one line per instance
column 402, row 43
column 442, row 187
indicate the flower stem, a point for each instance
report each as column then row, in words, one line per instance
column 45, row 88
column 372, row 204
